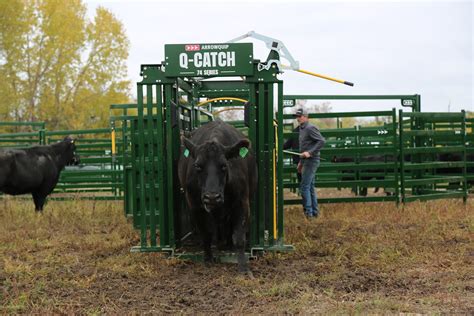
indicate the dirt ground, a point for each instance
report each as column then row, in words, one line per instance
column 355, row 258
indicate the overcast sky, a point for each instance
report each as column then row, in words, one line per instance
column 396, row 47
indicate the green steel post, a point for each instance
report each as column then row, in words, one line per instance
column 133, row 195
column 464, row 169
column 141, row 168
column 150, row 166
column 417, row 106
column 161, row 166
column 253, row 139
column 396, row 155
column 402, row 156
column 281, row 232
column 169, row 165
column 270, row 143
column 357, row 156
column 42, row 136
column 262, row 158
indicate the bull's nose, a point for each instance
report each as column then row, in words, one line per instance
column 213, row 198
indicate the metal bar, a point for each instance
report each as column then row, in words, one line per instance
column 271, row 184
column 35, row 124
column 162, row 206
column 150, row 168
column 281, row 230
column 254, row 141
column 262, row 159
column 343, row 114
column 464, row 169
column 141, row 168
column 348, row 97
column 124, row 106
column 169, row 165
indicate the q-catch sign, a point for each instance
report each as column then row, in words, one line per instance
column 209, row 60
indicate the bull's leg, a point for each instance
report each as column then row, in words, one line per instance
column 206, row 243
column 239, row 243
column 204, row 226
column 377, row 189
column 225, row 238
column 238, row 238
column 39, row 200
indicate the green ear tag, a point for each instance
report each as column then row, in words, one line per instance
column 186, row 153
column 243, row 152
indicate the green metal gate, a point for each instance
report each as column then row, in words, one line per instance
column 423, row 138
column 158, row 209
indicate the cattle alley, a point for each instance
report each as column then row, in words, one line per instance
column 74, row 257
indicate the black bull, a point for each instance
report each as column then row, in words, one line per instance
column 443, row 157
column 36, row 169
column 369, row 158
column 219, row 178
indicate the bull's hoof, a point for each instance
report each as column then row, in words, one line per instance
column 208, row 261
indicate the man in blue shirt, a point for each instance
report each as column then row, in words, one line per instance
column 311, row 141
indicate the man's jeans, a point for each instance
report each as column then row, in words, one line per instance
column 308, row 193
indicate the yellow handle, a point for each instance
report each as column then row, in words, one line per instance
column 113, row 142
column 222, row 98
column 319, row 75
column 228, row 109
column 325, row 77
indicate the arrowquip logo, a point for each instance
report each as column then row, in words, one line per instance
column 192, row 47
column 233, row 59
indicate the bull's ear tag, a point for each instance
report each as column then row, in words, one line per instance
column 186, row 153
column 243, row 152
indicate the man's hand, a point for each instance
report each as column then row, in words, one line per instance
column 300, row 167
column 305, row 154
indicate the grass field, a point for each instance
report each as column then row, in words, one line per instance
column 356, row 258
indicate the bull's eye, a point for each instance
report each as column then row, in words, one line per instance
column 223, row 167
column 197, row 167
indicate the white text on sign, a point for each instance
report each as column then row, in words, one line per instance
column 208, row 59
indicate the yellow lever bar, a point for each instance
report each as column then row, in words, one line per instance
column 218, row 99
column 325, row 77
column 319, row 75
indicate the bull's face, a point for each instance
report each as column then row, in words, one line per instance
column 211, row 166
column 72, row 157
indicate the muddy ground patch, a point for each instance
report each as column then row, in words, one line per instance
column 367, row 258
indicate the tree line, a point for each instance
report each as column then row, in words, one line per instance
column 59, row 66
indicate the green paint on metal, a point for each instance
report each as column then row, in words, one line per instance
column 175, row 113
column 243, row 152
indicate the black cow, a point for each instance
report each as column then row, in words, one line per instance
column 36, row 169
column 449, row 157
column 452, row 157
column 351, row 174
column 219, row 177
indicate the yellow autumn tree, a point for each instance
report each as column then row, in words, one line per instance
column 59, row 67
